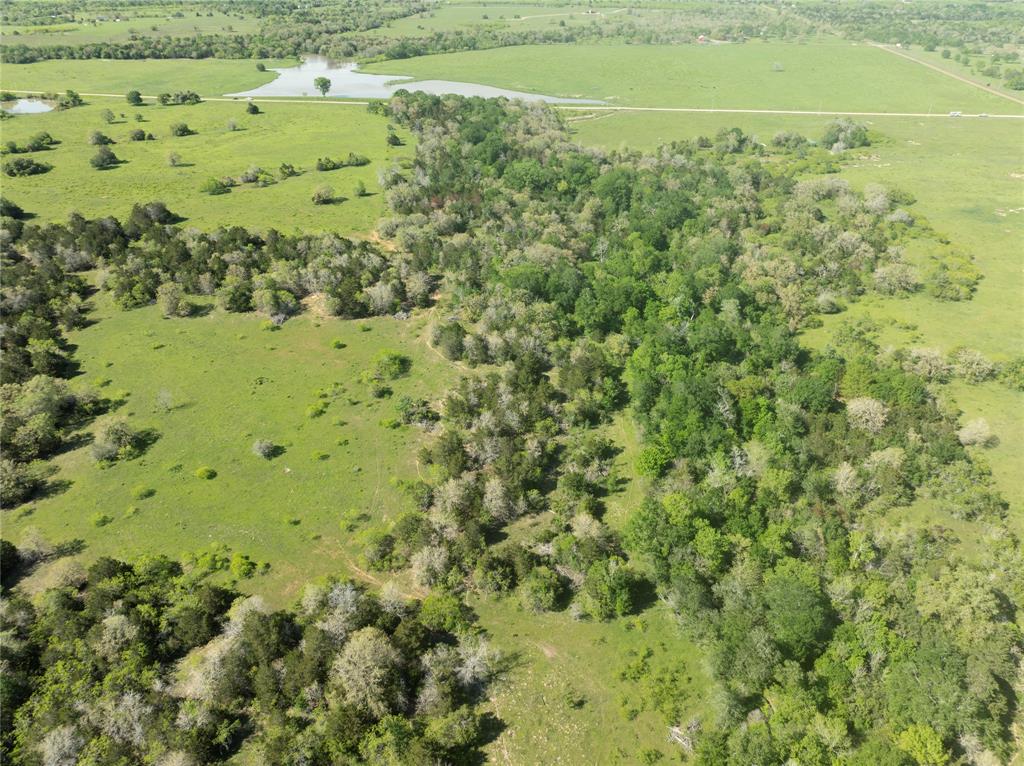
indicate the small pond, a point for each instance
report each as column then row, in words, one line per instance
column 27, row 106
column 346, row 82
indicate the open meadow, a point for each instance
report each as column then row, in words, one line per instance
column 227, row 142
column 826, row 75
column 210, row 386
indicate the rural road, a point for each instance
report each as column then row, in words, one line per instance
column 604, row 108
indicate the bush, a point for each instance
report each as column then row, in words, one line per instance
column 104, row 158
column 137, row 135
column 541, row 590
column 100, row 139
column 205, row 472
column 251, row 108
column 214, row 186
column 263, row 448
column 134, row 98
column 323, row 195
column 116, row 440
column 180, row 129
column 25, row 166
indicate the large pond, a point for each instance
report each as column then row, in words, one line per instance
column 27, row 106
column 346, row 82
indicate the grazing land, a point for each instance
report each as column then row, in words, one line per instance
column 830, row 75
column 297, row 134
column 228, row 383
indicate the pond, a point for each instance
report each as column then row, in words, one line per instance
column 27, row 106
column 346, row 82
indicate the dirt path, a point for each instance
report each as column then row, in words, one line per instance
column 940, row 70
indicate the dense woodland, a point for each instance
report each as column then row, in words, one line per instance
column 577, row 286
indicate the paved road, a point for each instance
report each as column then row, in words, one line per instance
column 604, row 108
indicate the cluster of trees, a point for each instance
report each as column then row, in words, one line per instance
column 269, row 272
column 929, row 25
column 334, row 29
column 677, row 282
column 95, row 673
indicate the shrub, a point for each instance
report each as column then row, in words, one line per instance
column 214, row 186
column 104, row 159
column 100, row 139
column 976, row 433
column 205, row 472
column 116, row 440
column 141, row 492
column 541, row 590
column 391, row 365
column 251, row 108
column 180, row 129
column 137, row 135
column 25, row 166
column 287, row 170
column 100, row 519
column 134, row 98
column 263, row 448
column 323, row 195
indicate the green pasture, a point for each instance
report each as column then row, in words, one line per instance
column 294, row 133
column 564, row 701
column 229, row 383
column 207, row 77
column 122, row 26
column 827, row 76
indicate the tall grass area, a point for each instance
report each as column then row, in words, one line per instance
column 830, row 75
column 210, row 387
column 283, row 133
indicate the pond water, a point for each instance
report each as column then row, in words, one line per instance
column 346, row 82
column 27, row 106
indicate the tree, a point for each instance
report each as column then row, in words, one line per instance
column 322, row 84
column 180, row 129
column 360, row 190
column 171, row 300
column 100, row 139
column 323, row 195
column 104, row 158
column 251, row 108
column 261, row 67
column 263, row 448
column 134, row 98
column 367, row 673
column 924, row 745
column 107, row 115
column 173, row 159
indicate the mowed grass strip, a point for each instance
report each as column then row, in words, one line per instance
column 297, row 134
column 210, row 387
column 826, row 76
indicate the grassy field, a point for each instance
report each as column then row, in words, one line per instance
column 293, row 133
column 230, row 383
column 564, row 702
column 207, row 77
column 121, row 26
column 829, row 76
